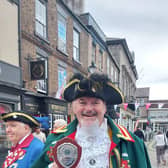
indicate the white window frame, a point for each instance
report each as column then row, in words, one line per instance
column 108, row 66
column 42, row 84
column 94, row 52
column 100, row 60
column 62, row 33
column 112, row 73
column 41, row 18
column 62, row 75
column 76, row 45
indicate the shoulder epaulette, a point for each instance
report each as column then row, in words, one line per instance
column 60, row 130
column 124, row 133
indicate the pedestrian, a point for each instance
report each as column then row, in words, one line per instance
column 139, row 133
column 167, row 134
column 25, row 147
column 59, row 124
column 39, row 134
column 104, row 143
column 160, row 148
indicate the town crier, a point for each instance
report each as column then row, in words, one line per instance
column 25, row 147
column 104, row 144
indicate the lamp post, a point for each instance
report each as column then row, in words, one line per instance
column 92, row 68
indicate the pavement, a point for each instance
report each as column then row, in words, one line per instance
column 152, row 155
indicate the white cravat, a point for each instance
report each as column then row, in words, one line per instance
column 95, row 146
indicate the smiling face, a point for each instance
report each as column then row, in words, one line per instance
column 89, row 109
column 16, row 131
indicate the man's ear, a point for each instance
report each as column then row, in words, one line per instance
column 27, row 127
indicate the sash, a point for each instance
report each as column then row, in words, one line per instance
column 13, row 156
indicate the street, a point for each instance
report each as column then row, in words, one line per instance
column 152, row 154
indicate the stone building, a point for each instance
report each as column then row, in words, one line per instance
column 142, row 98
column 125, row 78
column 158, row 115
column 151, row 114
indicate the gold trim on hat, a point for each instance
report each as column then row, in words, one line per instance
column 70, row 83
column 20, row 114
column 82, row 90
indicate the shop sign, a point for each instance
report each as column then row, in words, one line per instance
column 32, row 108
column 37, row 69
column 54, row 108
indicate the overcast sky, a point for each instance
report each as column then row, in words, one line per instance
column 144, row 25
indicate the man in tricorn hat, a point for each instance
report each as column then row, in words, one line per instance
column 104, row 143
column 25, row 147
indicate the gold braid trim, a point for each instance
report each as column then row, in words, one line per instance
column 116, row 152
column 72, row 82
column 20, row 114
column 118, row 158
column 111, row 165
column 110, row 135
column 126, row 136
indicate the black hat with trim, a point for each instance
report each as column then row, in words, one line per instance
column 96, row 85
column 21, row 117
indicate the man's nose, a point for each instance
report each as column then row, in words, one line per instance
column 89, row 107
column 8, row 129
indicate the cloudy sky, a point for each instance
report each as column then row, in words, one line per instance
column 144, row 25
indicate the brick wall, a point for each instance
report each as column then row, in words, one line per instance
column 30, row 42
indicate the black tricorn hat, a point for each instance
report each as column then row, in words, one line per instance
column 21, row 117
column 96, row 85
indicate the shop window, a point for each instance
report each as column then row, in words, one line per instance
column 4, row 143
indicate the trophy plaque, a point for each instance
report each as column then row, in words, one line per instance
column 67, row 153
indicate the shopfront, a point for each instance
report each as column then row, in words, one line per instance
column 42, row 106
column 57, row 109
column 9, row 101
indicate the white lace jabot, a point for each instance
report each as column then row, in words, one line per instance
column 95, row 147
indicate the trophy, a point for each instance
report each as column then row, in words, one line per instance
column 67, row 153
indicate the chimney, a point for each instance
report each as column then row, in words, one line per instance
column 77, row 6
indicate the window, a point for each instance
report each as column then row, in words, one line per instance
column 62, row 74
column 76, row 39
column 142, row 102
column 112, row 74
column 108, row 66
column 100, row 60
column 42, row 84
column 94, row 53
column 61, row 33
column 40, row 18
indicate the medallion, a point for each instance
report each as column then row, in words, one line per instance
column 67, row 153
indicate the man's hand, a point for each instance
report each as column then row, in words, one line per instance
column 52, row 165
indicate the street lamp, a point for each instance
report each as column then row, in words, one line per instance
column 92, row 68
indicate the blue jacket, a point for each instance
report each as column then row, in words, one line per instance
column 24, row 154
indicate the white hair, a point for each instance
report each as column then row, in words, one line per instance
column 59, row 123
